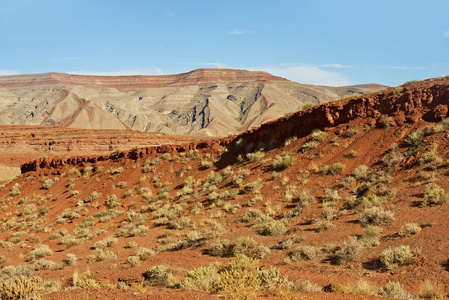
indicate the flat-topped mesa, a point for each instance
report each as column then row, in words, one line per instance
column 199, row 76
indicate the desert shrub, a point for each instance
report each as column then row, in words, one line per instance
column 370, row 236
column 393, row 290
column 350, row 133
column 414, row 139
column 100, row 255
column 322, row 224
column 255, row 156
column 329, row 213
column 289, row 140
column 83, row 281
column 303, row 252
column 49, row 183
column 392, row 158
column 331, row 195
column 122, row 185
column 272, row 228
column 318, row 135
column 21, row 287
column 393, row 258
column 272, row 282
column 350, row 251
column 15, row 190
column 240, row 278
column 306, row 286
column 386, row 123
column 283, row 161
column 434, row 195
column 117, row 171
column 430, row 290
column 336, row 168
column 222, row 248
column 376, row 216
column 92, row 197
column 70, row 259
column 237, row 180
column 204, row 279
column 227, row 172
column 433, row 129
column 363, row 287
column 251, row 215
column 310, row 145
column 430, row 156
column 180, row 223
column 44, row 264
column 107, row 242
column 360, row 172
column 206, row 164
column 254, row 185
column 409, row 229
column 40, row 251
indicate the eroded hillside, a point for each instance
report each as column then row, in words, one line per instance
column 211, row 102
column 346, row 199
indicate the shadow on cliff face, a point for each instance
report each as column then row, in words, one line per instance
column 406, row 104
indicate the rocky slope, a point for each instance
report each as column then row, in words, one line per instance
column 214, row 102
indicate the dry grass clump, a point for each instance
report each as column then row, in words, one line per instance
column 107, row 242
column 394, row 290
column 431, row 290
column 306, row 286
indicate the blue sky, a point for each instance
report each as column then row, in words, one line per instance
column 310, row 41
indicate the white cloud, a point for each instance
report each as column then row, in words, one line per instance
column 239, row 31
column 151, row 71
column 309, row 74
column 169, row 13
column 446, row 34
column 8, row 72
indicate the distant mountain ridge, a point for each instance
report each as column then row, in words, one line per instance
column 213, row 102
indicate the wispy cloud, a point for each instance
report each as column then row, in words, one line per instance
column 446, row 34
column 169, row 13
column 151, row 71
column 309, row 74
column 8, row 72
column 239, row 31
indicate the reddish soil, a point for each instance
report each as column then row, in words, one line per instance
column 381, row 122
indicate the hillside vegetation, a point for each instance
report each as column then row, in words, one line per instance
column 347, row 199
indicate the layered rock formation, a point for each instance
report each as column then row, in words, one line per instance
column 214, row 102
